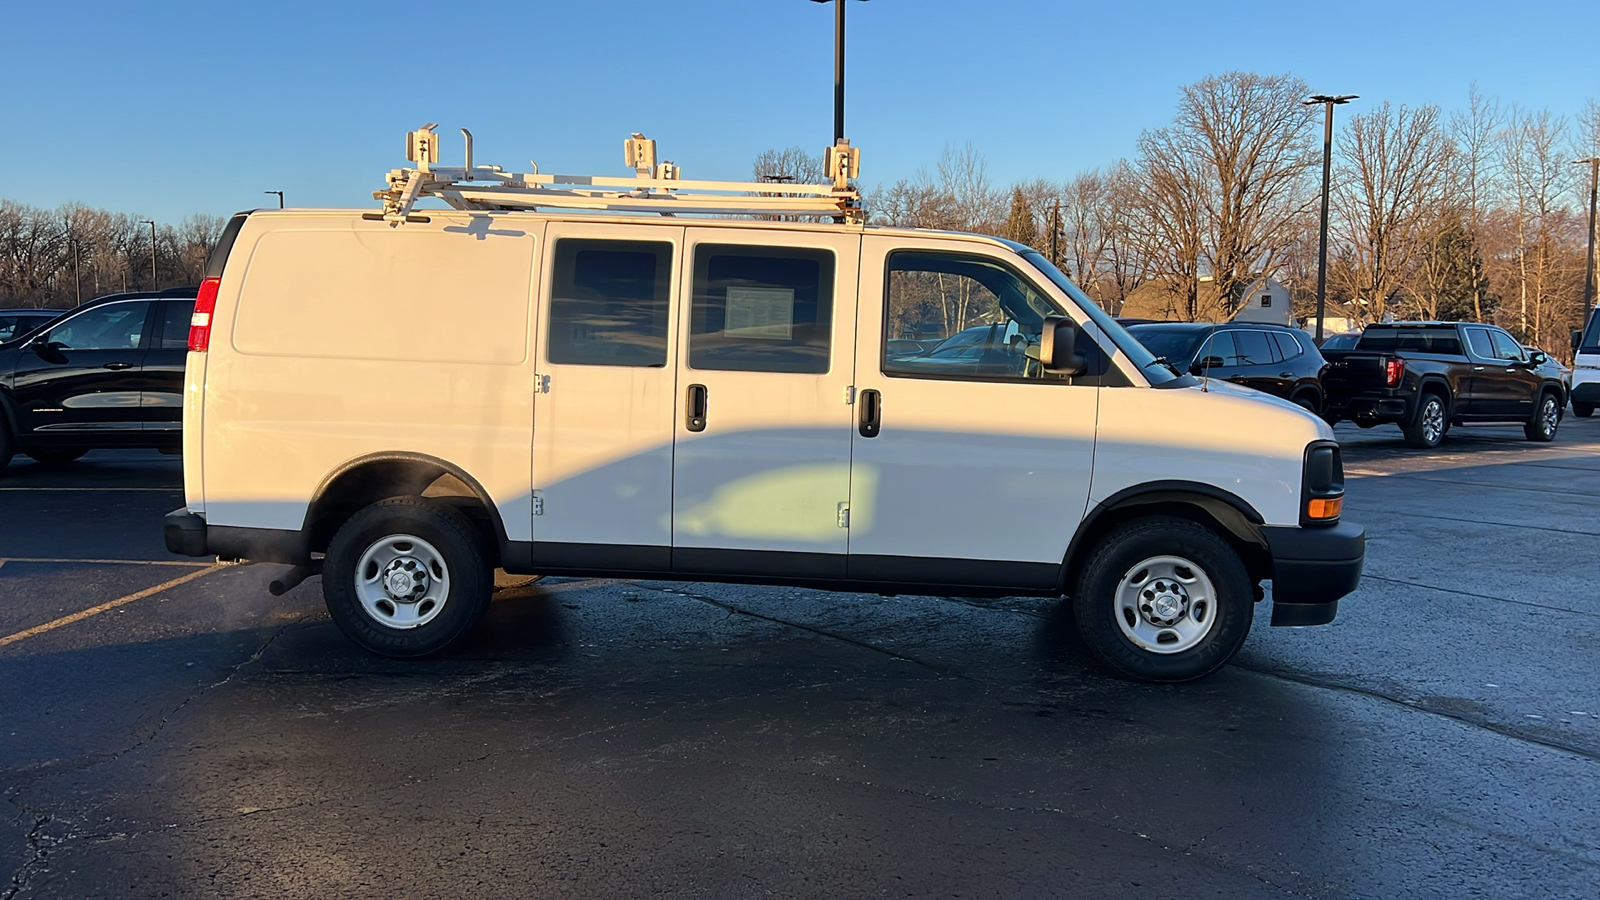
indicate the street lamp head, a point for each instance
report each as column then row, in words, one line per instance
column 1325, row 98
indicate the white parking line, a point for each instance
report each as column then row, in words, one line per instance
column 165, row 490
column 96, row 610
column 103, row 562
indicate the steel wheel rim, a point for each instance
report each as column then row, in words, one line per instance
column 1432, row 420
column 402, row 581
column 1548, row 417
column 1165, row 604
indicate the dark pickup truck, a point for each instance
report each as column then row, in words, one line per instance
column 1428, row 376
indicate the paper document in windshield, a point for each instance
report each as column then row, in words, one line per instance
column 759, row 312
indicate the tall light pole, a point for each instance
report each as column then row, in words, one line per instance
column 1329, row 102
column 77, row 277
column 838, row 68
column 155, row 284
column 1593, row 163
column 280, row 197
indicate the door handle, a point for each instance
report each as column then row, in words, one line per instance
column 1285, row 374
column 117, row 366
column 871, row 413
column 696, row 412
column 1477, row 368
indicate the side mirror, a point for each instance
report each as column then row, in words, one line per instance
column 1577, row 340
column 1058, row 347
column 1538, row 358
column 1201, row 366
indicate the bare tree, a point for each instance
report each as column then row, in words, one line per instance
column 1476, row 172
column 1393, row 172
column 1538, row 260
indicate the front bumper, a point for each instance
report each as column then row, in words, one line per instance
column 1312, row 568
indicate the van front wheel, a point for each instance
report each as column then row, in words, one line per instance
column 1164, row 599
column 406, row 577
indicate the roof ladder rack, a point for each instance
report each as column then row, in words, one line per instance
column 654, row 188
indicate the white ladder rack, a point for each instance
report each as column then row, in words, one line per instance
column 652, row 189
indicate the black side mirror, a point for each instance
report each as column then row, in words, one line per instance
column 1577, row 340
column 1058, row 347
column 1538, row 358
column 1201, row 366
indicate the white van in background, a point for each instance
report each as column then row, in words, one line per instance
column 406, row 402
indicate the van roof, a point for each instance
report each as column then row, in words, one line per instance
column 649, row 220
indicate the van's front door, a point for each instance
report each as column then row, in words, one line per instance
column 604, row 408
column 971, row 465
column 761, row 475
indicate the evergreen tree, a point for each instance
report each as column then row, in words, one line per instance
column 1019, row 224
column 1452, row 272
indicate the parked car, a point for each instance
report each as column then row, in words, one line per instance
column 108, row 374
column 1344, row 340
column 1273, row 358
column 713, row 400
column 17, row 323
column 1428, row 376
column 1586, row 367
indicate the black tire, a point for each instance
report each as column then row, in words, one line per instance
column 1308, row 401
column 1582, row 410
column 1546, row 418
column 1105, row 619
column 56, row 457
column 1428, row 429
column 457, row 562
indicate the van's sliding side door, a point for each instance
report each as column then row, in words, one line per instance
column 606, row 396
column 761, row 479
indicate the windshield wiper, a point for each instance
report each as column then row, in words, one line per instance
column 1162, row 360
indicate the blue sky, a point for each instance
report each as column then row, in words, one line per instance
column 168, row 109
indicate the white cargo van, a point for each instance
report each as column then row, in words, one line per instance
column 403, row 401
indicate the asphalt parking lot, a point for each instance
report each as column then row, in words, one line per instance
column 169, row 729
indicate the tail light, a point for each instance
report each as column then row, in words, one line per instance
column 1393, row 369
column 200, row 323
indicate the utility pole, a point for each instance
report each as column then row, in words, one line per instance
column 838, row 68
column 1328, row 102
column 1593, row 163
column 280, row 197
column 77, row 277
column 155, row 284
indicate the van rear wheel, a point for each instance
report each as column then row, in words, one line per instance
column 406, row 577
column 1164, row 599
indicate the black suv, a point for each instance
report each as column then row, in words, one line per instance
column 15, row 323
column 106, row 374
column 1272, row 358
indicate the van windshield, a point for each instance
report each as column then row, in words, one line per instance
column 1154, row 371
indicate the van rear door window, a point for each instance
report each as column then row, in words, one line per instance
column 609, row 302
column 761, row 309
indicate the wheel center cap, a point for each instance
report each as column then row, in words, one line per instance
column 405, row 580
column 1164, row 603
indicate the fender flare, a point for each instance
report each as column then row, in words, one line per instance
column 447, row 467
column 1228, row 509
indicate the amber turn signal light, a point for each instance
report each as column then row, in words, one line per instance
column 1324, row 507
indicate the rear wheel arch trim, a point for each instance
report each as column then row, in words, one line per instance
column 375, row 459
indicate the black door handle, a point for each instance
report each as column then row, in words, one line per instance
column 696, row 412
column 117, row 366
column 871, row 414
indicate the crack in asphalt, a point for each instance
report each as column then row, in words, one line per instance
column 731, row 608
column 1484, row 724
column 38, row 851
column 1417, row 515
column 1448, row 590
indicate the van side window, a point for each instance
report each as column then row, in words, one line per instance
column 761, row 309
column 965, row 317
column 609, row 302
